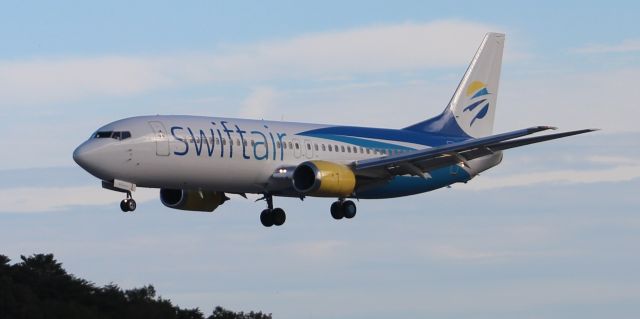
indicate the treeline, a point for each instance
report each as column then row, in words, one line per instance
column 38, row 287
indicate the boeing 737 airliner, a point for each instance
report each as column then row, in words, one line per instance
column 196, row 161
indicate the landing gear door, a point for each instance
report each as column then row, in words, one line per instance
column 161, row 138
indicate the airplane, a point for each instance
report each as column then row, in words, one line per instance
column 196, row 161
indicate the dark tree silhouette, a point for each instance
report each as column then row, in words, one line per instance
column 39, row 287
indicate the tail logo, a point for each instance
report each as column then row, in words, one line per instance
column 475, row 91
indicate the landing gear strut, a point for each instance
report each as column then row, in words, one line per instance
column 128, row 204
column 343, row 209
column 272, row 216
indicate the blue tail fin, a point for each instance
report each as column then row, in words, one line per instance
column 471, row 111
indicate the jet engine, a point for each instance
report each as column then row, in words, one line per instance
column 202, row 201
column 323, row 178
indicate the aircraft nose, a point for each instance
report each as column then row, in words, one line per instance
column 85, row 156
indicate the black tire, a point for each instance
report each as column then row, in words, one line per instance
column 266, row 218
column 349, row 209
column 123, row 206
column 336, row 210
column 279, row 216
column 131, row 205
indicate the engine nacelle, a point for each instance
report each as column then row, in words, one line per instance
column 323, row 178
column 192, row 200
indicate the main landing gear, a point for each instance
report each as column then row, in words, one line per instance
column 276, row 216
column 343, row 209
column 128, row 204
column 272, row 216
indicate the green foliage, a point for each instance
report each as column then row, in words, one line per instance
column 38, row 287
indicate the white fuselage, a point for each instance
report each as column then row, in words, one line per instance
column 242, row 156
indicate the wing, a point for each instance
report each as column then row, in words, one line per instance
column 420, row 162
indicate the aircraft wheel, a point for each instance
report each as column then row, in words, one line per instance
column 336, row 210
column 131, row 205
column 124, row 206
column 279, row 216
column 349, row 209
column 266, row 218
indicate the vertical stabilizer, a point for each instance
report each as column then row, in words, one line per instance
column 471, row 111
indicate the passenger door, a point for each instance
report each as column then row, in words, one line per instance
column 161, row 137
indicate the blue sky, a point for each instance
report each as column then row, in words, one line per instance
column 551, row 233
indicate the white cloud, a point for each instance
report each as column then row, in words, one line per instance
column 600, row 99
column 406, row 46
column 45, row 199
column 258, row 103
column 55, row 80
column 562, row 177
column 613, row 160
column 628, row 45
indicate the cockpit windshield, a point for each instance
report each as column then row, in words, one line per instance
column 116, row 135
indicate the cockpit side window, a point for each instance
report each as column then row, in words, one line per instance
column 103, row 134
column 117, row 135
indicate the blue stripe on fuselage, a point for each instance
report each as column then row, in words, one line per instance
column 409, row 185
column 390, row 135
column 359, row 141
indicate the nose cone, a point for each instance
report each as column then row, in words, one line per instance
column 90, row 157
column 82, row 155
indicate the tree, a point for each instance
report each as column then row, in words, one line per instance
column 39, row 287
column 221, row 313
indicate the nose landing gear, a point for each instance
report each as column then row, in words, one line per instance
column 128, row 204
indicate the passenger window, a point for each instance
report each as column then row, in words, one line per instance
column 244, row 142
column 290, row 145
column 308, row 146
column 323, row 148
column 361, row 150
column 297, row 146
column 278, row 144
column 315, row 146
column 368, row 151
column 342, row 148
column 349, row 149
column 330, row 150
column 217, row 141
column 253, row 143
column 238, row 142
column 224, row 141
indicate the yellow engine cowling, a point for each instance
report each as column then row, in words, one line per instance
column 201, row 201
column 323, row 178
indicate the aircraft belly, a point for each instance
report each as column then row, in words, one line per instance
column 219, row 174
column 410, row 185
